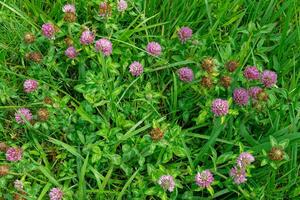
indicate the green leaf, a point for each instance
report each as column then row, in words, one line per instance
column 273, row 141
column 284, row 143
column 152, row 190
column 264, row 162
column 179, row 151
column 224, row 157
column 201, row 118
column 82, row 181
column 48, row 174
column 84, row 115
column 167, row 155
column 69, row 148
column 211, row 191
column 116, row 159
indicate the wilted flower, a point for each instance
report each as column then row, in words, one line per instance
column 186, row 74
column 269, row 78
column 71, row 52
column 156, row 134
column 70, row 13
column 244, row 159
column 34, row 56
column 48, row 100
column 136, row 68
column 238, row 175
column 220, row 107
column 208, row 65
column 232, row 65
column 29, row 38
column 254, row 92
column 14, row 154
column 184, row 34
column 167, row 182
column 87, row 37
column 30, row 85
column 240, row 96
column 43, row 114
column 104, row 45
column 276, row 153
column 22, row 115
column 3, row 146
column 154, row 48
column 56, row 194
column 69, row 8
column 104, row 9
column 48, row 30
column 4, row 170
column 70, row 17
column 225, row 81
column 69, row 42
column 206, row 82
column 204, row 179
column 18, row 185
column 122, row 5
column 251, row 73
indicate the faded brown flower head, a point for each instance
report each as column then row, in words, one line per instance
column 3, row 146
column 225, row 81
column 48, row 100
column 156, row 134
column 69, row 41
column 206, row 82
column 4, row 170
column 104, row 9
column 35, row 57
column 43, row 114
column 70, row 17
column 263, row 96
column 257, row 105
column 232, row 65
column 208, row 65
column 19, row 196
column 29, row 38
column 276, row 153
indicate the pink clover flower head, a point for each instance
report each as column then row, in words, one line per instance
column 104, row 45
column 30, row 85
column 204, row 179
column 22, row 115
column 71, row 52
column 104, row 9
column 244, row 159
column 48, row 30
column 185, row 33
column 122, row 5
column 254, row 92
column 14, row 154
column 136, row 68
column 186, row 74
column 220, row 107
column 154, row 48
column 238, row 175
column 87, row 37
column 240, row 96
column 251, row 73
column 56, row 194
column 268, row 78
column 69, row 8
column 167, row 182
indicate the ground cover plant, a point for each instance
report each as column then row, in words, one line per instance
column 149, row 99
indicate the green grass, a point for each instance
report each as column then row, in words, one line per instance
column 101, row 118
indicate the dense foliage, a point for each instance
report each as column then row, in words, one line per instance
column 149, row 99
